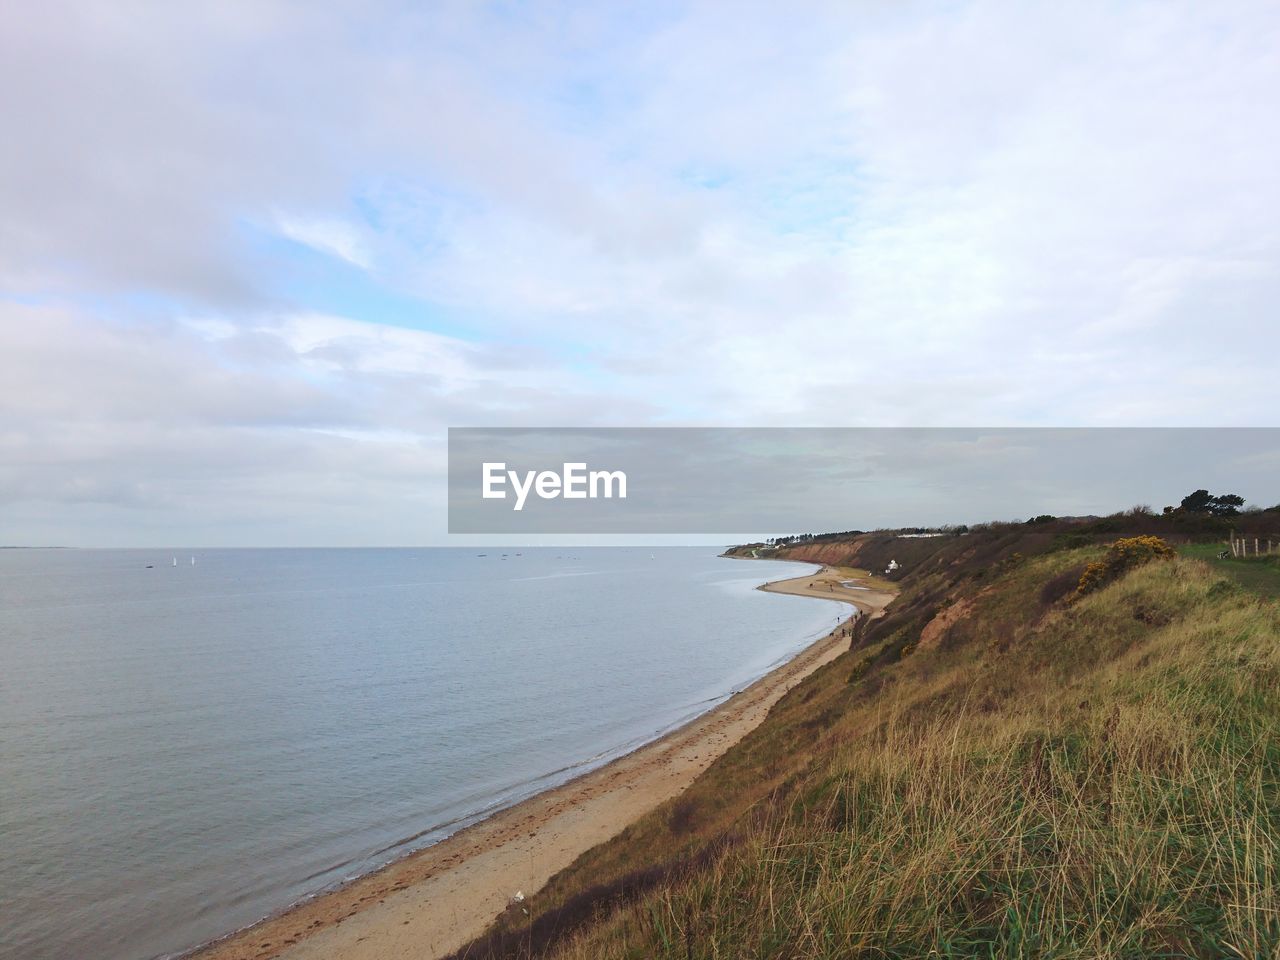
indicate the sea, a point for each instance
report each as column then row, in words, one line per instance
column 185, row 749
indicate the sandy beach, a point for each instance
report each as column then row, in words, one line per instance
column 435, row 900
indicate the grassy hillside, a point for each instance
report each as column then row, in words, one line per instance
column 974, row 548
column 997, row 768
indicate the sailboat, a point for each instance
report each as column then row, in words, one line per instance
column 175, row 561
column 193, row 561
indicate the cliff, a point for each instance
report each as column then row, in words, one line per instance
column 1002, row 766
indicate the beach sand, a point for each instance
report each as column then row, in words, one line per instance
column 435, row 900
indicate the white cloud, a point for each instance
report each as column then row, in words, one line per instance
column 334, row 237
column 859, row 214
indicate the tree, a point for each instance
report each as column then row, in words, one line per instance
column 1227, row 505
column 1197, row 502
column 1202, row 501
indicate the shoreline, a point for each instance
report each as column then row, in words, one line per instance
column 434, row 900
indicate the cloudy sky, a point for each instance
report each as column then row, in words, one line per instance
column 256, row 257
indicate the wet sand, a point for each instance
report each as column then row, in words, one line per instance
column 435, row 900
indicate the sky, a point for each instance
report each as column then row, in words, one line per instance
column 257, row 257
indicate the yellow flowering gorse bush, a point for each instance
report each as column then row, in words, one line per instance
column 1121, row 556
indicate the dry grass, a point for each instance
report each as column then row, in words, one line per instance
column 1096, row 779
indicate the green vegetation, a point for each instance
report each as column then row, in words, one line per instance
column 1259, row 575
column 1046, row 774
column 1201, row 517
column 1202, row 501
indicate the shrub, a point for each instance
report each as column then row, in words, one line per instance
column 1222, row 588
column 1071, row 541
column 683, row 813
column 1060, row 585
column 860, row 669
column 1122, row 556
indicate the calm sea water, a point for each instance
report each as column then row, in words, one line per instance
column 184, row 750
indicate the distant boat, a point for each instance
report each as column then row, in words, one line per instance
column 652, row 557
column 193, row 561
column 175, row 561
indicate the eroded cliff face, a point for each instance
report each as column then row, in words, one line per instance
column 870, row 551
column 840, row 553
column 896, row 556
